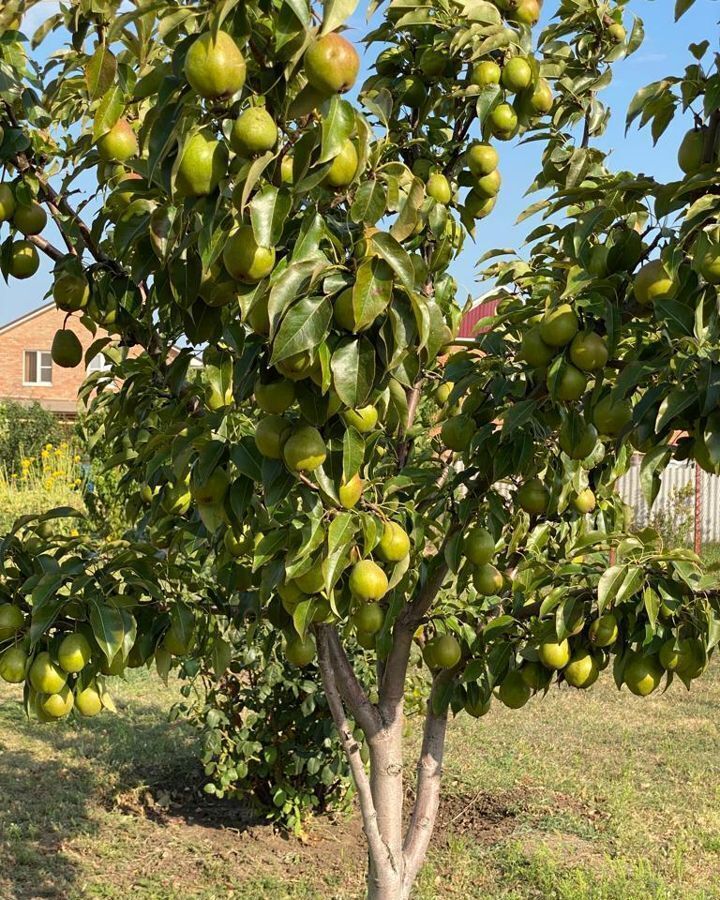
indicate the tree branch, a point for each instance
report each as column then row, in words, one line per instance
column 404, row 448
column 392, row 687
column 363, row 711
column 47, row 248
column 58, row 204
column 427, row 791
column 586, row 127
column 349, row 744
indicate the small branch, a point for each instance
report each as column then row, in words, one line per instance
column 349, row 744
column 392, row 687
column 586, row 129
column 404, row 449
column 58, row 204
column 47, row 248
column 651, row 246
column 57, row 219
column 363, row 711
column 53, row 199
column 427, row 792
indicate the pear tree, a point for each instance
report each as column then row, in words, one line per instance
column 343, row 467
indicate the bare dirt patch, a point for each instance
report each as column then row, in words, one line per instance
column 333, row 845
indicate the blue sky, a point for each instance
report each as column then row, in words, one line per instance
column 664, row 52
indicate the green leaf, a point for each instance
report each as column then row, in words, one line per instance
column 268, row 547
column 652, row 605
column 182, row 620
column 338, row 121
column 519, row 414
column 681, row 7
column 631, row 584
column 303, row 328
column 335, row 13
column 256, row 169
column 679, row 318
column 341, row 535
column 269, row 209
column 300, row 9
column 303, row 615
column 289, row 284
column 676, row 402
column 353, row 369
column 396, row 257
column 369, row 203
column 407, row 219
column 610, row 583
column 498, row 626
column 114, row 629
column 353, row 452
column 110, row 109
column 221, row 656
column 651, row 467
column 100, row 71
column 371, row 292
column 163, row 663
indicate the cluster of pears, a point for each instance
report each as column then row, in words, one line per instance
column 67, row 675
column 578, row 660
column 208, row 494
column 479, row 551
column 518, row 76
column 585, row 354
column 360, row 594
column 54, row 683
column 29, row 219
column 215, row 69
column 298, row 444
column 533, row 97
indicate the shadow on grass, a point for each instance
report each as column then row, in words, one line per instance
column 57, row 782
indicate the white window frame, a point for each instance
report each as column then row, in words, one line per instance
column 98, row 364
column 39, row 366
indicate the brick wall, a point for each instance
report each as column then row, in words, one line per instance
column 36, row 333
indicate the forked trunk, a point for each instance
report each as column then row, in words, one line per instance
column 394, row 858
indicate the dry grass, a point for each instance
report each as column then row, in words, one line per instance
column 597, row 795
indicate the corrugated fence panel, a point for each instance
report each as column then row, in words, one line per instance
column 677, row 475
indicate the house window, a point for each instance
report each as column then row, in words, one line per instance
column 38, row 367
column 98, row 364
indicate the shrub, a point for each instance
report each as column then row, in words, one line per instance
column 24, row 431
column 675, row 519
column 268, row 737
column 104, row 498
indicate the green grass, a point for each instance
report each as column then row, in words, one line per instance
column 596, row 795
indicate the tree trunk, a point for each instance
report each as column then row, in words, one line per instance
column 386, row 875
column 394, row 858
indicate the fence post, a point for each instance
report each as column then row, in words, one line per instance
column 698, row 509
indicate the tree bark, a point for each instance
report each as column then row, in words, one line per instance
column 427, row 793
column 387, row 875
column 394, row 858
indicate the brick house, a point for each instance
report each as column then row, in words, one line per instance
column 27, row 372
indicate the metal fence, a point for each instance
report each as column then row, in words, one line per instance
column 685, row 490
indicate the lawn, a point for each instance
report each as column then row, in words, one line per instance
column 597, row 795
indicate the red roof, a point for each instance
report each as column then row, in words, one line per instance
column 473, row 316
